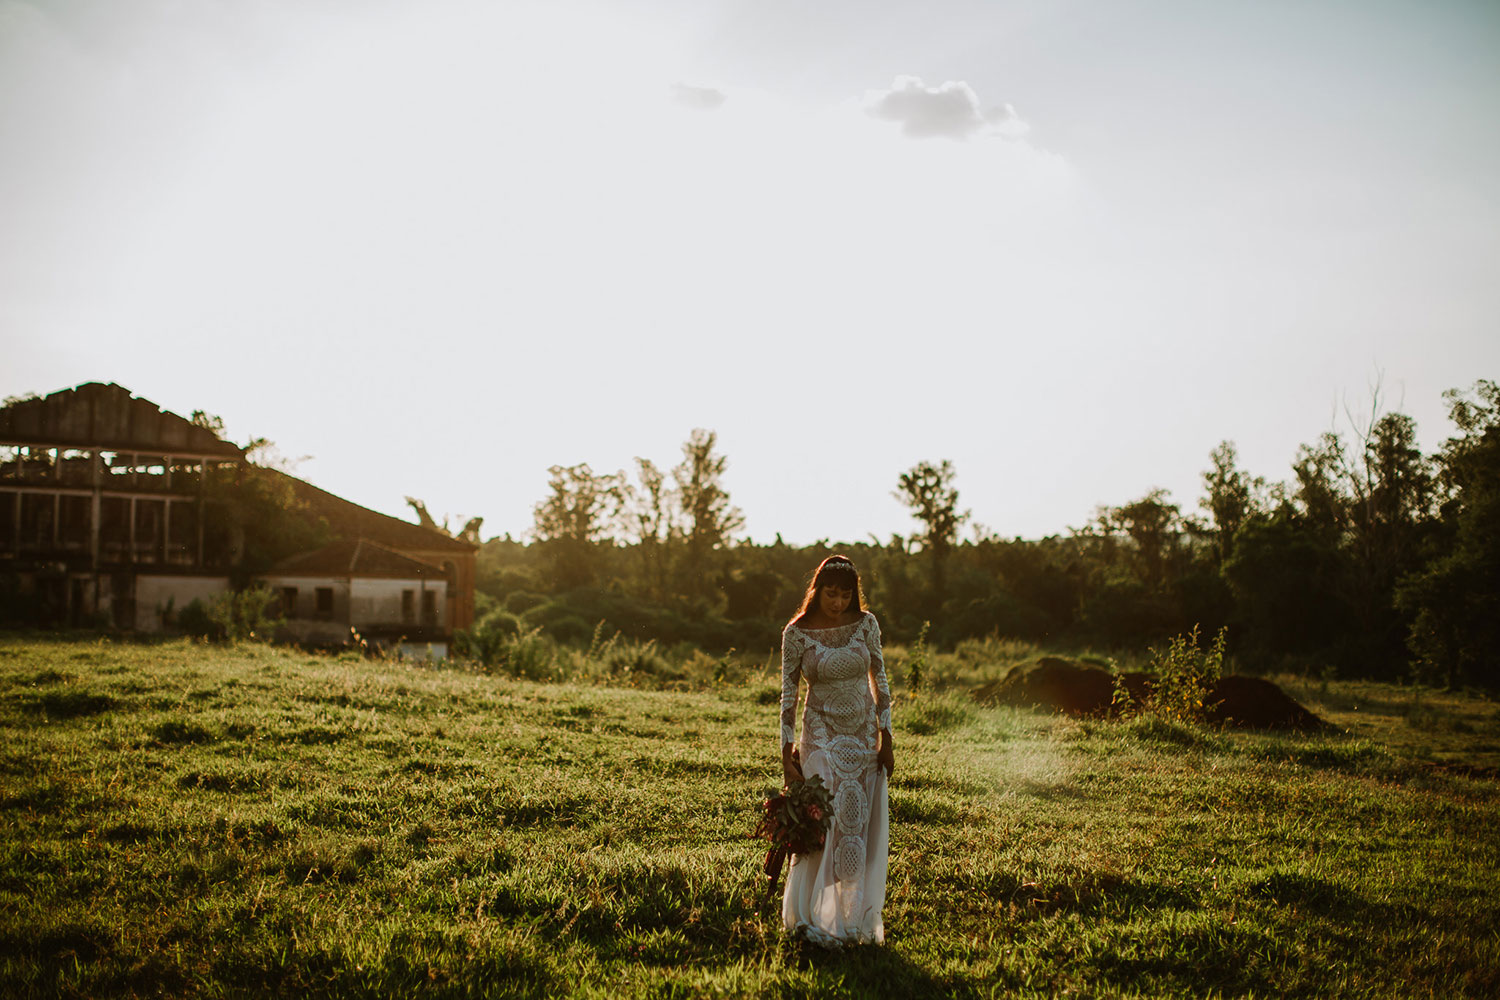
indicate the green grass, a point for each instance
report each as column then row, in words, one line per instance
column 183, row 820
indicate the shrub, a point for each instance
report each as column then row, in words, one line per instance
column 1184, row 673
column 501, row 622
column 528, row 656
column 244, row 614
column 497, row 644
column 569, row 629
column 636, row 659
column 916, row 660
column 523, row 601
column 194, row 620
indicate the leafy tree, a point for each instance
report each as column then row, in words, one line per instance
column 929, row 491
column 1285, row 576
column 709, row 516
column 1398, row 494
column 1155, row 527
column 252, row 516
column 651, row 521
column 1454, row 600
column 575, row 516
column 1369, row 507
column 1233, row 496
column 1319, row 493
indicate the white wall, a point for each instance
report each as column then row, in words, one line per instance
column 378, row 602
column 362, row 602
column 307, row 596
column 153, row 593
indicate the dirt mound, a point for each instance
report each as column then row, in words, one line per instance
column 1256, row 703
column 1078, row 689
column 1052, row 682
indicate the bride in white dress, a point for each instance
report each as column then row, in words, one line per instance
column 834, row 896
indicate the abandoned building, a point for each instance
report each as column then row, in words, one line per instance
column 385, row 596
column 107, row 517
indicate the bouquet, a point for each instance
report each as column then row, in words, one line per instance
column 795, row 820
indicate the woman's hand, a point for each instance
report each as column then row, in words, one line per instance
column 886, row 756
column 791, row 764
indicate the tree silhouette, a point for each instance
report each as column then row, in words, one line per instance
column 651, row 521
column 929, row 491
column 1455, row 599
column 704, row 502
column 576, row 515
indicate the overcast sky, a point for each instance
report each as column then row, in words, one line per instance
column 1070, row 246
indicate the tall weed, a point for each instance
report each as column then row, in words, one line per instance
column 917, row 661
column 1184, row 673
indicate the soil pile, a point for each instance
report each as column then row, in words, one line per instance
column 1065, row 686
column 1080, row 690
column 1256, row 703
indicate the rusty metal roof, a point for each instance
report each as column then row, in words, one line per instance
column 350, row 557
column 96, row 415
column 349, row 520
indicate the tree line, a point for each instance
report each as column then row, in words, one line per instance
column 1371, row 559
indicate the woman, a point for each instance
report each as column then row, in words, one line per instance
column 834, row 896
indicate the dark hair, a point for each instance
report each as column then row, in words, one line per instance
column 835, row 571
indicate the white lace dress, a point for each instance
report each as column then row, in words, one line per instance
column 834, row 896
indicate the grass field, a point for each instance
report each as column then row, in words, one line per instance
column 184, row 820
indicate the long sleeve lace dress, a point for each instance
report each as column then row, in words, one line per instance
column 834, row 896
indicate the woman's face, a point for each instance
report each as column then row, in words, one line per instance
column 834, row 600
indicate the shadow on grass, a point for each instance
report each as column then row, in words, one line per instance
column 928, row 717
column 1087, row 893
column 936, row 782
column 1193, row 961
column 1053, row 791
column 426, row 961
column 1175, row 734
column 1348, row 757
column 68, row 704
column 865, row 971
column 1308, row 892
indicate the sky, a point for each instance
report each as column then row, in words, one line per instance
column 434, row 248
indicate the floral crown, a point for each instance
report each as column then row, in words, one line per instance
column 839, row 563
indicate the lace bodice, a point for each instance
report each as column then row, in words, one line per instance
column 847, row 691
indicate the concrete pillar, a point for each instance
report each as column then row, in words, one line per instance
column 96, row 513
column 202, row 509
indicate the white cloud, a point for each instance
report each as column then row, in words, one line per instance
column 950, row 110
column 698, row 98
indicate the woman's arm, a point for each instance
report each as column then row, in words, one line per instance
column 791, row 675
column 886, row 756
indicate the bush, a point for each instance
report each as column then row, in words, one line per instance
column 916, row 661
column 636, row 659
column 523, row 601
column 194, row 620
column 529, row 657
column 1184, row 673
column 244, row 614
column 500, row 622
column 569, row 629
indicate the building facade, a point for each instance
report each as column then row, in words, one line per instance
column 358, row 589
column 105, row 519
column 101, row 503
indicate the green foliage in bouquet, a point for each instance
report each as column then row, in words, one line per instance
column 797, row 818
column 795, row 821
